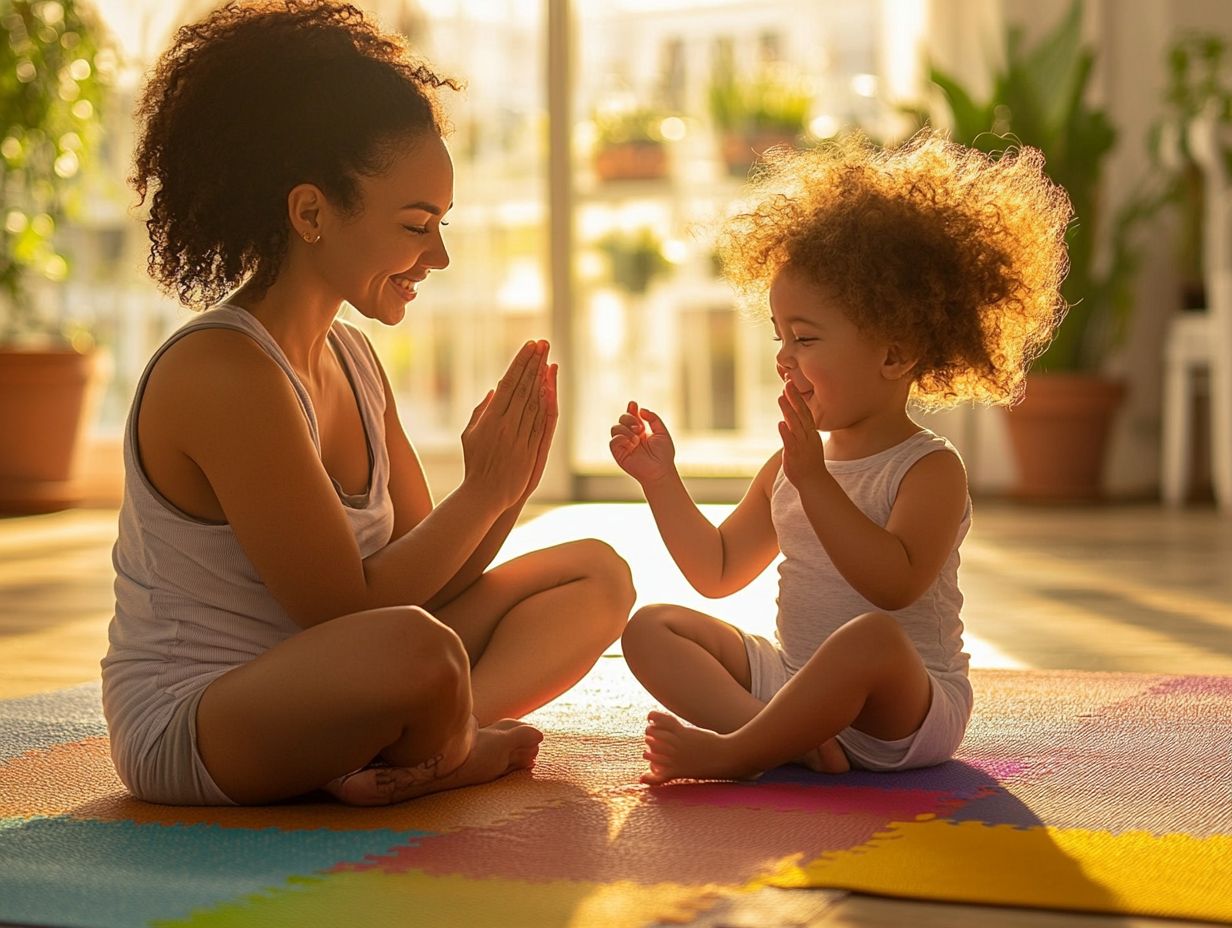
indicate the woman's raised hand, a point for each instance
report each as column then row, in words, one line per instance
column 642, row 446
column 505, row 444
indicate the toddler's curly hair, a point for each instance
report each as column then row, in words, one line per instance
column 251, row 101
column 956, row 254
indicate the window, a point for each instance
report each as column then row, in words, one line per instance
column 670, row 100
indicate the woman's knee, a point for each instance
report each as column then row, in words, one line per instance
column 415, row 656
column 611, row 574
column 609, row 568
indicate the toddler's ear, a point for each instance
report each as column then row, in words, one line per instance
column 899, row 362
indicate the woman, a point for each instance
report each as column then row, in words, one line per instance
column 293, row 611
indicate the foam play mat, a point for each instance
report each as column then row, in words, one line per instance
column 1074, row 791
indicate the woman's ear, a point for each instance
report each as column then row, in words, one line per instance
column 899, row 362
column 304, row 208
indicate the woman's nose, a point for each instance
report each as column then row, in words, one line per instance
column 437, row 257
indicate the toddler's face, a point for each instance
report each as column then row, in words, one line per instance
column 837, row 369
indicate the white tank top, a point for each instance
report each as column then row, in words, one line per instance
column 814, row 599
column 189, row 603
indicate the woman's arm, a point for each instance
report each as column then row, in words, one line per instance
column 219, row 402
column 491, row 543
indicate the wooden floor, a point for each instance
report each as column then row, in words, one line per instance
column 1132, row 588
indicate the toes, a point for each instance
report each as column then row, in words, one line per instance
column 522, row 759
column 663, row 726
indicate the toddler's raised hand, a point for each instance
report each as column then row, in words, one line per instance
column 642, row 446
column 503, row 442
column 803, row 450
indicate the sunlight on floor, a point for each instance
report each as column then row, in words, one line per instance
column 630, row 529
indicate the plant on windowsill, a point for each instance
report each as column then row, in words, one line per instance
column 629, row 145
column 636, row 258
column 54, row 73
column 751, row 116
column 1059, row 431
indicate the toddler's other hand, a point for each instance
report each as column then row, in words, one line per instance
column 803, row 450
column 642, row 446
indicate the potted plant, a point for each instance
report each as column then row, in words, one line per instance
column 1059, row 430
column 1199, row 79
column 753, row 115
column 53, row 76
column 629, row 145
column 636, row 259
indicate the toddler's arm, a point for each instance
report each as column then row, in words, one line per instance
column 893, row 566
column 716, row 560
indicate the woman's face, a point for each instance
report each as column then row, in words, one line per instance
column 377, row 257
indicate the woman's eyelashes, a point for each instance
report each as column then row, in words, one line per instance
column 422, row 230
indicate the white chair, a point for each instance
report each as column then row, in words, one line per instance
column 1200, row 342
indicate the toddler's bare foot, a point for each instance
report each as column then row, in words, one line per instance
column 675, row 750
column 827, row 758
column 499, row 749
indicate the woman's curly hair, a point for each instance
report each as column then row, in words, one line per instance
column 954, row 253
column 251, row 101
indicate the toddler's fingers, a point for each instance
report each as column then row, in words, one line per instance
column 652, row 419
column 796, row 402
column 621, row 447
column 789, row 414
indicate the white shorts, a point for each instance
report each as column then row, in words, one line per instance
column 172, row 772
column 934, row 742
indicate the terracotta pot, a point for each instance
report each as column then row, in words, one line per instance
column 1059, row 433
column 631, row 161
column 43, row 403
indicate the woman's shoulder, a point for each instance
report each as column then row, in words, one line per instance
column 204, row 353
column 212, row 366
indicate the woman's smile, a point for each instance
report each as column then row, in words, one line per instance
column 405, row 285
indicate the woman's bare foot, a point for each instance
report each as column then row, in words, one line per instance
column 676, row 750
column 827, row 758
column 501, row 748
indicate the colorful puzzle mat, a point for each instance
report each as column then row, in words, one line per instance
column 1078, row 791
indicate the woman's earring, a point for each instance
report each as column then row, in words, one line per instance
column 312, row 238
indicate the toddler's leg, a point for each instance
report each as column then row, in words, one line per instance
column 698, row 667
column 693, row 663
column 867, row 674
